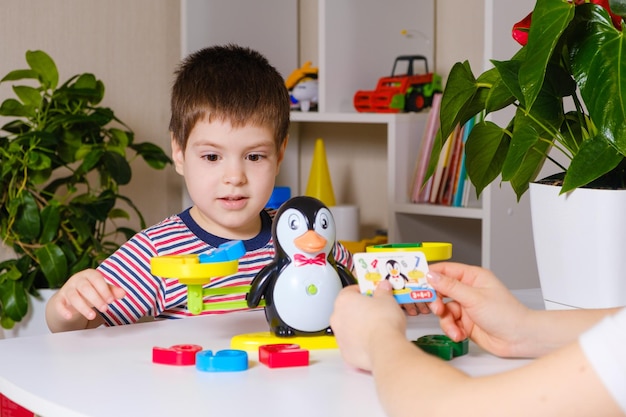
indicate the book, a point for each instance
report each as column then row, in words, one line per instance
column 450, row 178
column 423, row 156
column 457, row 200
column 442, row 165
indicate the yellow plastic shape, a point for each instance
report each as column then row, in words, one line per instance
column 189, row 270
column 320, row 186
column 433, row 251
column 252, row 341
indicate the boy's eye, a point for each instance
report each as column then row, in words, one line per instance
column 210, row 157
column 254, row 157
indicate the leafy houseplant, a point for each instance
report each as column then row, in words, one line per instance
column 567, row 85
column 63, row 159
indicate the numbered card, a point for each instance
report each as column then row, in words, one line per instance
column 405, row 271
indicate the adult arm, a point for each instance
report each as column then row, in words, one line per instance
column 483, row 309
column 371, row 335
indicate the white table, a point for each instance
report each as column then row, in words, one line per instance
column 109, row 372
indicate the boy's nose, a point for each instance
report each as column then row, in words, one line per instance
column 234, row 174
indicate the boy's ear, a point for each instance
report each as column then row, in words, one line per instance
column 178, row 155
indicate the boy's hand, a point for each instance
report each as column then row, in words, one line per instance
column 75, row 301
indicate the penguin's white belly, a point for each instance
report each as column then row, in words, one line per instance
column 304, row 297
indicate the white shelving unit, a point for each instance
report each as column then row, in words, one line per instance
column 358, row 41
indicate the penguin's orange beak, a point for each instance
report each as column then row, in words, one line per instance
column 310, row 242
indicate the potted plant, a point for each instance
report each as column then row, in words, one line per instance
column 63, row 159
column 567, row 87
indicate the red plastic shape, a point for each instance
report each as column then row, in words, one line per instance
column 283, row 355
column 179, row 355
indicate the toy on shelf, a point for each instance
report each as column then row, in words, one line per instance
column 320, row 185
column 303, row 87
column 410, row 92
column 196, row 270
column 302, row 281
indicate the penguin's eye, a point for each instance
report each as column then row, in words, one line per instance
column 294, row 222
column 324, row 221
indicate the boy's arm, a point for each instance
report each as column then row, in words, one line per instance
column 73, row 306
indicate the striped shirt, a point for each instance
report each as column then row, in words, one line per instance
column 149, row 295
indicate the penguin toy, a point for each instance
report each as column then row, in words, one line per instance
column 395, row 277
column 302, row 281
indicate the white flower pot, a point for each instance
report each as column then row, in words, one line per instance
column 34, row 323
column 580, row 246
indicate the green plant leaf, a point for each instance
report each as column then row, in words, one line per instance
column 618, row 7
column 605, row 92
column 524, row 138
column 461, row 87
column 51, row 219
column 14, row 299
column 550, row 19
column 152, row 154
column 44, row 66
column 27, row 220
column 21, row 74
column 486, row 149
column 117, row 166
column 12, row 107
column 53, row 264
column 30, row 96
column 594, row 159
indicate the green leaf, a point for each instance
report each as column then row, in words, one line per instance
column 21, row 74
column 27, row 221
column 30, row 96
column 524, row 138
column 12, row 107
column 117, row 166
column 44, row 66
column 485, row 150
column 549, row 21
column 604, row 92
column 461, row 87
column 152, row 154
column 119, row 214
column 51, row 219
column 594, row 159
column 618, row 7
column 38, row 161
column 14, row 299
column 53, row 264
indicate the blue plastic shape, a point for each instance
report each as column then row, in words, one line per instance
column 228, row 360
column 228, row 251
column 278, row 197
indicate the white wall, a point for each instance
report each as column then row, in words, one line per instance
column 132, row 46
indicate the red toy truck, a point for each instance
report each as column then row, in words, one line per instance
column 408, row 92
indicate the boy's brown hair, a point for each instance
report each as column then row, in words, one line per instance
column 229, row 83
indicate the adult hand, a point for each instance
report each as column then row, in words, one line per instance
column 358, row 321
column 482, row 308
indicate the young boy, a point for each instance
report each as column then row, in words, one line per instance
column 229, row 128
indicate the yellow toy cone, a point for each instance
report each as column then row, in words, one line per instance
column 319, row 185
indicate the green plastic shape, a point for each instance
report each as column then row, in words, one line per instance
column 442, row 346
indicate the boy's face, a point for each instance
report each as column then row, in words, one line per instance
column 230, row 174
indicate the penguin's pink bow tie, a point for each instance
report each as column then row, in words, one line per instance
column 302, row 260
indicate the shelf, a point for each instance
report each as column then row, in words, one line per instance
column 438, row 210
column 348, row 117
